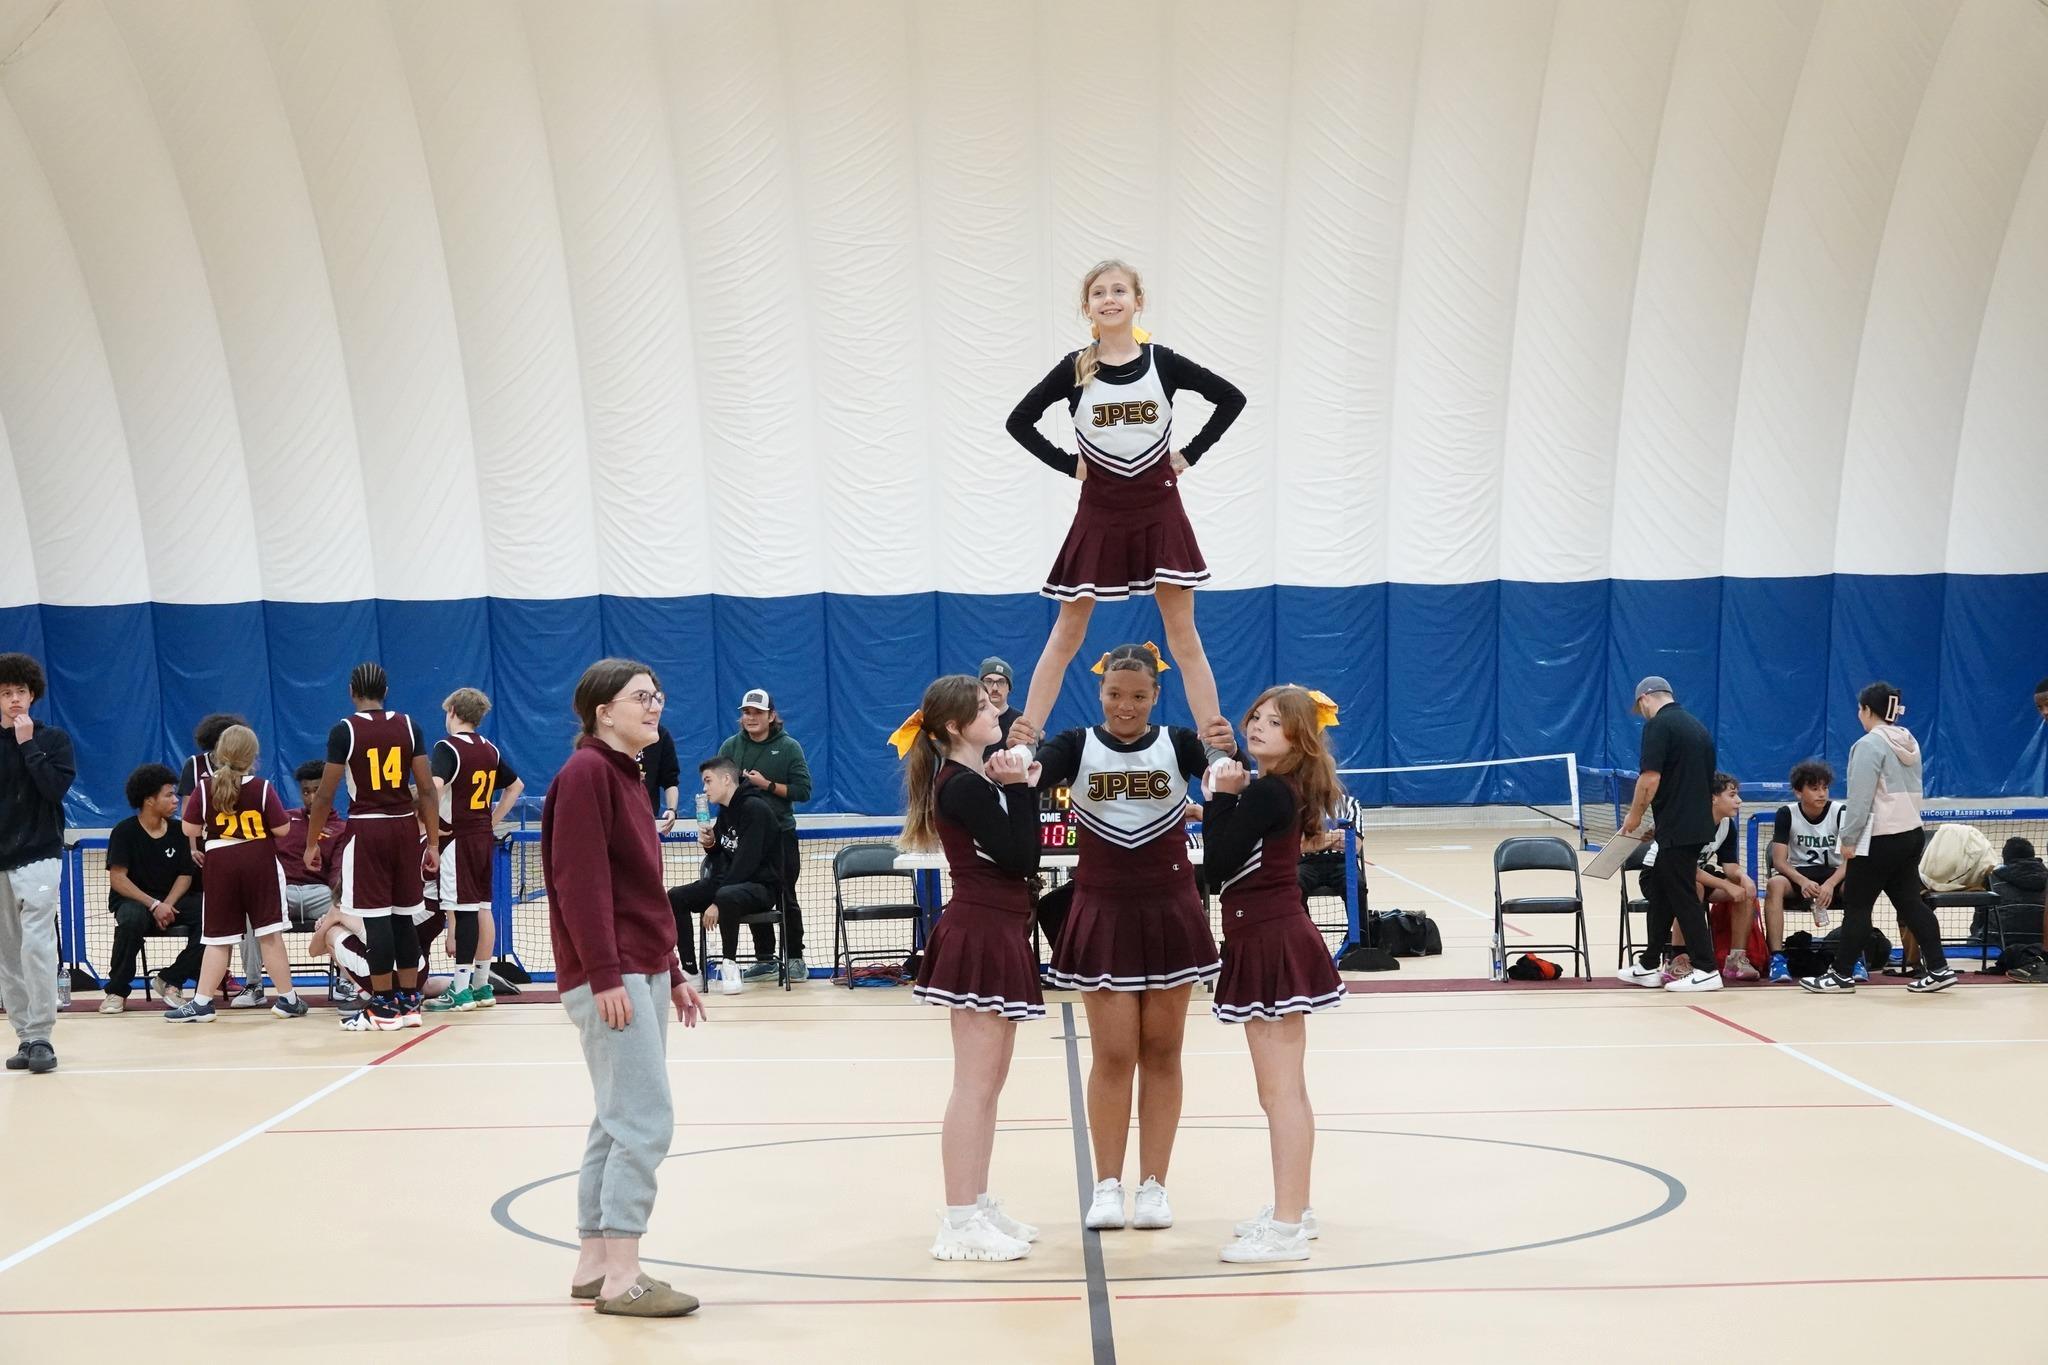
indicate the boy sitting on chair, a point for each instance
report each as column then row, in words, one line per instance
column 1805, row 858
column 1721, row 881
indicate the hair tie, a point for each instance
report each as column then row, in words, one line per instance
column 1894, row 708
column 1326, row 710
column 904, row 737
column 1159, row 664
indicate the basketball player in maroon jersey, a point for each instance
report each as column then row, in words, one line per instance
column 391, row 808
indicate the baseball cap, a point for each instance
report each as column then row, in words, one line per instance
column 995, row 665
column 1653, row 683
column 757, row 699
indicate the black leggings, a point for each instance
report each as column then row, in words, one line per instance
column 389, row 947
column 1892, row 867
column 466, row 936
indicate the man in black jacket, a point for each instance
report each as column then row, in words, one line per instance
column 742, row 867
column 36, row 769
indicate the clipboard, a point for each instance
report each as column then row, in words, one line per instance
column 1617, row 851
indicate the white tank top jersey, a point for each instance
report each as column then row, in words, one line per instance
column 1815, row 843
column 1710, row 855
column 1125, row 428
column 1129, row 799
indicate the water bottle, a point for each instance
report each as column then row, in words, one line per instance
column 1500, row 966
column 703, row 810
column 63, row 986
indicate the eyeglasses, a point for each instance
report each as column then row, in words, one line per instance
column 653, row 701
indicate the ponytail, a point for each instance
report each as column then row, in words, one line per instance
column 234, row 755
column 950, row 705
column 921, row 790
column 1087, row 361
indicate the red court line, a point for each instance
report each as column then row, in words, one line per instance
column 567, row 1305
column 1185, row 1118
column 1739, row 1028
column 1845, row 1281
column 421, row 1037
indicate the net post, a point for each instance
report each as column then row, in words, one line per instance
column 1354, row 933
column 1571, row 770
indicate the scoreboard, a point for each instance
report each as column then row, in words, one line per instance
column 1058, row 828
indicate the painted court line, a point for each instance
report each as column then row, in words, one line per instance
column 1486, row 915
column 1017, row 1123
column 562, row 1305
column 1893, row 1100
column 106, row 1211
column 1843, row 1282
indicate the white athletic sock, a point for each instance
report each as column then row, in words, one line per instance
column 292, row 996
column 461, row 981
column 1286, row 1229
column 201, row 1000
column 960, row 1215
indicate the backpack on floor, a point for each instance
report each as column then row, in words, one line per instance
column 1720, row 917
column 1407, row 933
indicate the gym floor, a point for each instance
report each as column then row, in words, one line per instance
column 1559, row 1172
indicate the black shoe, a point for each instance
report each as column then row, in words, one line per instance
column 1933, row 981
column 41, row 1057
column 19, row 1061
column 1830, row 982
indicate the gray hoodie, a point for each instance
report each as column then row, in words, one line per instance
column 1884, row 786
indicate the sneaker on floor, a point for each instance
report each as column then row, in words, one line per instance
column 172, row 995
column 696, row 980
column 1700, row 981
column 461, row 1000
column 248, row 1000
column 1933, row 981
column 1861, row 976
column 1829, row 982
column 1636, row 974
column 1266, row 1242
column 797, row 970
column 483, row 994
column 1738, row 967
column 977, row 1241
column 409, row 1005
column 1106, row 1211
column 1149, row 1210
column 1781, row 973
column 192, row 1012
column 1310, row 1228
column 289, row 1007
column 759, row 971
column 39, row 1057
column 113, row 1004
column 378, row 1015
column 992, row 1210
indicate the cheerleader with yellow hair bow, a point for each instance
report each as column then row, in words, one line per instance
column 1276, row 969
column 1131, row 536
column 979, row 961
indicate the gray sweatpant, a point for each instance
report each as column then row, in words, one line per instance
column 635, row 1118
column 28, row 948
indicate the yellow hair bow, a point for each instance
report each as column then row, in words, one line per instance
column 905, row 735
column 1326, row 710
column 1159, row 663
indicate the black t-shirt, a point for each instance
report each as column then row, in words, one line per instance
column 152, row 864
column 1676, row 745
column 659, row 768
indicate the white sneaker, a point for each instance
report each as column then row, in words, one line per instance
column 1310, row 1228
column 1636, row 974
column 251, row 999
column 113, row 1004
column 1267, row 1243
column 1150, row 1209
column 696, row 980
column 1697, row 981
column 978, row 1241
column 1108, row 1209
column 992, row 1209
column 172, row 996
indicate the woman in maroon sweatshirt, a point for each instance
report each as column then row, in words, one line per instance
column 615, row 964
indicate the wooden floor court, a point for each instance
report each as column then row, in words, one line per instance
column 1536, row 1173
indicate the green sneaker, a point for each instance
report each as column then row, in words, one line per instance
column 484, row 996
column 452, row 1000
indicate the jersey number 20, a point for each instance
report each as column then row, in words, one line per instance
column 246, row 824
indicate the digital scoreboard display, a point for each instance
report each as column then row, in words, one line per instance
column 1058, row 830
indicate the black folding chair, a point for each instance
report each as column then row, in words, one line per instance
column 1637, row 904
column 1542, row 853
column 872, row 864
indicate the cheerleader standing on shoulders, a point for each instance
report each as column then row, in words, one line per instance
column 1137, row 938
column 979, row 962
column 1276, row 970
column 1130, row 536
column 239, row 817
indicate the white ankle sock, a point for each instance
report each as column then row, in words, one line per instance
column 960, row 1215
column 461, row 981
column 1286, row 1229
column 202, row 1000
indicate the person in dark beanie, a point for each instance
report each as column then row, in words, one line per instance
column 36, row 769
column 1676, row 786
column 615, row 965
column 773, row 763
column 997, row 679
